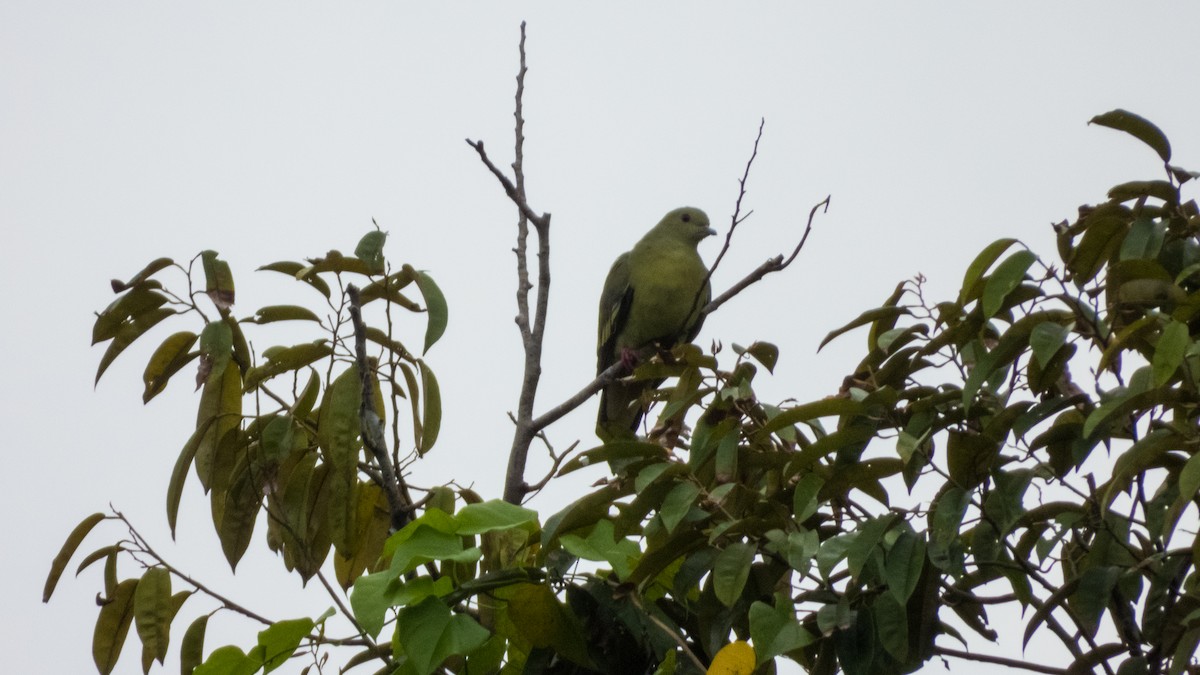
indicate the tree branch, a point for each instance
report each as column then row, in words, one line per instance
column 371, row 426
column 776, row 264
column 533, row 328
column 999, row 660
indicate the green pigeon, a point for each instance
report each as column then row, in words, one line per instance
column 652, row 300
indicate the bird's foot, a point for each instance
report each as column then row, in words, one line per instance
column 629, row 359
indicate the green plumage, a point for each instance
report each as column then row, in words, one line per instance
column 652, row 300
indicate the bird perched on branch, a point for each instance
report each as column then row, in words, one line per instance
column 653, row 299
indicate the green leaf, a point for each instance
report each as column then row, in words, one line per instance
column 1168, row 353
column 139, row 278
column 493, row 515
column 866, row 542
column 139, row 300
column 730, row 571
column 1093, row 595
column 775, row 630
column 112, row 626
column 295, row 270
column 370, row 250
column 273, row 313
column 1189, row 477
column 152, row 614
column 1104, row 233
column 677, row 503
column 1046, row 339
column 869, row 316
column 220, row 411
column 1008, row 275
column 1012, row 343
column 228, row 660
column 68, row 549
column 216, row 348
column 904, row 564
column 1144, row 240
column 338, row 430
column 583, row 512
column 428, row 634
column 765, row 353
column 804, row 501
column 218, row 280
column 826, row 407
column 128, row 333
column 191, row 649
column 279, row 640
column 603, row 545
column 980, row 265
column 544, row 622
column 435, row 304
column 284, row 359
column 414, row 546
column 1138, row 127
column 172, row 355
column 891, row 623
column 431, row 412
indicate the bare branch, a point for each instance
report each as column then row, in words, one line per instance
column 1000, row 660
column 370, row 424
column 776, row 264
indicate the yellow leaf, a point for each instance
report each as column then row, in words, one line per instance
column 735, row 658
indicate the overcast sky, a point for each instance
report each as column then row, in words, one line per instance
column 272, row 130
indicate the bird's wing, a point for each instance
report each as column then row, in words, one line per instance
column 705, row 298
column 615, row 302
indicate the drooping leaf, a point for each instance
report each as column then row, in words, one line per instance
column 431, row 412
column 338, row 431
column 74, row 539
column 138, row 300
column 218, row 280
column 172, row 355
column 220, row 410
column 191, row 649
column 1138, row 127
column 904, row 564
column 294, row 270
column 435, row 305
column 273, row 313
column 1005, row 279
column 112, row 626
column 128, row 332
column 980, row 265
column 869, row 316
column 216, row 349
column 284, row 359
column 731, row 570
column 152, row 614
column 1168, row 353
column 147, row 272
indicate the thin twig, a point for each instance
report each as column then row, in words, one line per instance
column 776, row 264
column 999, row 660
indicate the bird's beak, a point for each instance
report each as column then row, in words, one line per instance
column 711, row 232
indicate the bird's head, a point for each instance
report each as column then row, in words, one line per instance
column 686, row 223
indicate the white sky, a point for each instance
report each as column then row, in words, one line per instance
column 277, row 130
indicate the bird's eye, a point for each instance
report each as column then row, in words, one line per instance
column 687, row 218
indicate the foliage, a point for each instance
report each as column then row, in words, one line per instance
column 771, row 531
